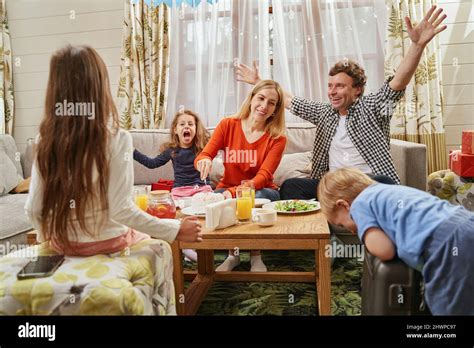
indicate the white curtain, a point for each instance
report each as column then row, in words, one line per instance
column 206, row 41
column 311, row 36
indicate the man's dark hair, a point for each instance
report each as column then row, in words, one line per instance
column 352, row 69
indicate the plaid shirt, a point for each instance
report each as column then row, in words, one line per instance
column 368, row 127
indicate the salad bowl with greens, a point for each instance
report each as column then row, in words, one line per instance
column 293, row 206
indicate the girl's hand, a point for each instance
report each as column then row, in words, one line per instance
column 204, row 167
column 247, row 74
column 227, row 194
column 190, row 230
column 427, row 28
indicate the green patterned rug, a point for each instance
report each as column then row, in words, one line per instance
column 258, row 298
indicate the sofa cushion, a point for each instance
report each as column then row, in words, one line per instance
column 8, row 144
column 148, row 142
column 9, row 177
column 300, row 137
column 447, row 185
column 295, row 165
column 12, row 215
column 217, row 170
column 27, row 157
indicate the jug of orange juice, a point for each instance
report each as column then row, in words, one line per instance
column 244, row 203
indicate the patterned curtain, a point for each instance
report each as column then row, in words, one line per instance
column 6, row 78
column 419, row 115
column 143, row 86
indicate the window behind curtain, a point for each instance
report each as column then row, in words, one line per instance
column 302, row 38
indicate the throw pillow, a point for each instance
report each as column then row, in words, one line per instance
column 217, row 170
column 7, row 143
column 294, row 165
column 9, row 177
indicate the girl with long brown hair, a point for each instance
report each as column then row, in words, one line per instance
column 81, row 193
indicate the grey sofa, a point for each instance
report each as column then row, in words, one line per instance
column 409, row 158
column 13, row 221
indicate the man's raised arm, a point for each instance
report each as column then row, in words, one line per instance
column 420, row 36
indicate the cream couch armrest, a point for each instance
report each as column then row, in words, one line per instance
column 410, row 161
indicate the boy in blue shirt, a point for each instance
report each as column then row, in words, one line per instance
column 427, row 233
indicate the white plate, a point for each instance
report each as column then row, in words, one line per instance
column 192, row 211
column 259, row 202
column 271, row 205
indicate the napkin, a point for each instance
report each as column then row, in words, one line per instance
column 221, row 214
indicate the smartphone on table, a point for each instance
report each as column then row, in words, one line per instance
column 43, row 266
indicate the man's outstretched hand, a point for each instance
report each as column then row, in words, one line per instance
column 427, row 28
column 247, row 74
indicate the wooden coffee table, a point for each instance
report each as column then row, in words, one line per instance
column 291, row 232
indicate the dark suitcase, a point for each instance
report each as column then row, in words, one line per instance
column 391, row 288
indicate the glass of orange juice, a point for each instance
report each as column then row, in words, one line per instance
column 141, row 198
column 251, row 184
column 244, row 203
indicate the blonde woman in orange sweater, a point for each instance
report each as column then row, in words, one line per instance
column 253, row 142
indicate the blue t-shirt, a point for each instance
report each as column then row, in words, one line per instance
column 183, row 165
column 408, row 216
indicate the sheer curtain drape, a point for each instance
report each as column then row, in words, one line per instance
column 310, row 36
column 207, row 40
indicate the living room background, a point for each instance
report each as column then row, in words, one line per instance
column 39, row 28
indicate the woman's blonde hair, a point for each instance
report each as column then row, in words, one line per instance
column 275, row 124
column 200, row 138
column 344, row 183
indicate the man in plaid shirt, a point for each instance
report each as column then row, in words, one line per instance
column 354, row 130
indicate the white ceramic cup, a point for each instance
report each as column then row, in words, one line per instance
column 264, row 217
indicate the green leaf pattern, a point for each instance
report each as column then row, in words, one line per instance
column 421, row 115
column 143, row 85
column 235, row 298
column 7, row 102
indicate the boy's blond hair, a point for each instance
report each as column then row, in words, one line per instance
column 344, row 183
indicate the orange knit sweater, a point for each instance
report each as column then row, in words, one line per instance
column 244, row 161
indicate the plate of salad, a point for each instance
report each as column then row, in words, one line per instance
column 293, row 206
